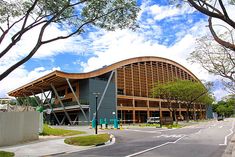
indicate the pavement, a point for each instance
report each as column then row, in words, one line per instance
column 49, row 145
column 230, row 149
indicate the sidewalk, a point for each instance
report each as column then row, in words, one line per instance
column 48, row 145
column 230, row 149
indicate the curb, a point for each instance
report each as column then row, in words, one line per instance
column 111, row 141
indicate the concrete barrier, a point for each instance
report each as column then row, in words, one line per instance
column 16, row 127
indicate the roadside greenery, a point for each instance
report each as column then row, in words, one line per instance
column 184, row 92
column 224, row 108
column 32, row 101
column 47, row 130
column 166, row 126
column 88, row 140
column 6, row 154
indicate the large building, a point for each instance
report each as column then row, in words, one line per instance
column 124, row 91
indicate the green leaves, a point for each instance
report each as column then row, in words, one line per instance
column 111, row 14
column 11, row 10
column 225, row 108
column 183, row 90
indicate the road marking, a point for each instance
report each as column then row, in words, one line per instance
column 157, row 131
column 169, row 136
column 146, row 150
column 198, row 132
column 226, row 137
column 220, row 127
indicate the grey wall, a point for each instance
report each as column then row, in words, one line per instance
column 16, row 127
column 108, row 104
column 84, row 89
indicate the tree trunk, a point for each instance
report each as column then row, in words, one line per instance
column 176, row 120
column 187, row 114
column 194, row 114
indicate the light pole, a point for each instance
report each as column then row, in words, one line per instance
column 96, row 111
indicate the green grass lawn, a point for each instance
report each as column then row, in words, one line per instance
column 88, row 140
column 47, row 130
column 6, row 154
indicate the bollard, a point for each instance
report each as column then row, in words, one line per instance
column 115, row 123
column 93, row 123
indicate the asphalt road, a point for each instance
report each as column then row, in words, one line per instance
column 207, row 139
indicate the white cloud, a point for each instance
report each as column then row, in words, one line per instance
column 20, row 77
column 220, row 93
column 29, row 39
column 162, row 12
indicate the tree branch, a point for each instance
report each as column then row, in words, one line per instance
column 79, row 28
column 6, row 31
column 217, row 39
column 16, row 38
column 223, row 8
column 209, row 13
column 34, row 50
column 206, row 11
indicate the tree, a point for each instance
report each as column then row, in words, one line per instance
column 166, row 92
column 224, row 108
column 184, row 92
column 73, row 16
column 216, row 60
column 195, row 93
column 215, row 9
column 28, row 101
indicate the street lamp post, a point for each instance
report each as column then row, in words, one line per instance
column 96, row 111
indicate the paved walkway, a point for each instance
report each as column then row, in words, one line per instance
column 48, row 145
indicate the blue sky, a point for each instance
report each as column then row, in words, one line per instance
column 165, row 31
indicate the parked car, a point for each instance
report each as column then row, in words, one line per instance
column 152, row 120
column 219, row 118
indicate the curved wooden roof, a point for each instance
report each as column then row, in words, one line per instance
column 58, row 77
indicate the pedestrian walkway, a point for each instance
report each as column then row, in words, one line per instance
column 48, row 145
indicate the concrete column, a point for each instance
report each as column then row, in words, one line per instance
column 133, row 116
column 201, row 116
column 148, row 109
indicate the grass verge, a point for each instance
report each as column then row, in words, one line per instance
column 88, row 140
column 47, row 130
column 158, row 125
column 6, row 154
column 173, row 126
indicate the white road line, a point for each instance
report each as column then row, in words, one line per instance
column 226, row 137
column 145, row 131
column 146, row 150
column 169, row 136
column 198, row 132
